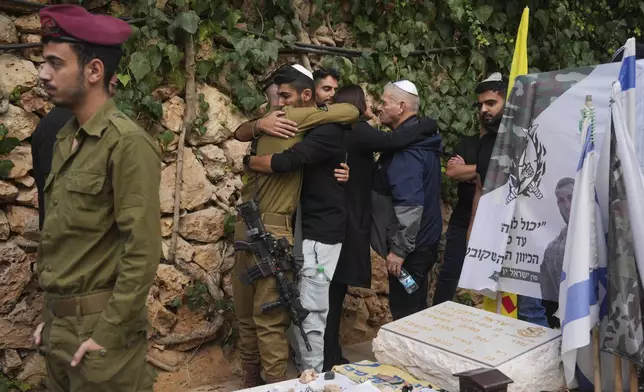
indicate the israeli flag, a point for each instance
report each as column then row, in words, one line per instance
column 580, row 275
column 632, row 99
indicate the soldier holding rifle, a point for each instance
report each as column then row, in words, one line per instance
column 263, row 341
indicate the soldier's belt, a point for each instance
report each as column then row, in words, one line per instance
column 81, row 305
column 280, row 220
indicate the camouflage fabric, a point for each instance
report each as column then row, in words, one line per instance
column 530, row 96
column 623, row 333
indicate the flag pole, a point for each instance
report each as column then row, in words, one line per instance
column 596, row 364
column 633, row 382
column 597, row 382
column 499, row 300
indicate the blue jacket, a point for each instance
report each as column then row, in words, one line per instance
column 409, row 181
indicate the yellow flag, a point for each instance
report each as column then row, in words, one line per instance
column 519, row 67
column 520, row 57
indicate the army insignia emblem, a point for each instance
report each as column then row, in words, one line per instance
column 526, row 175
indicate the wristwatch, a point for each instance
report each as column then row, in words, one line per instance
column 246, row 160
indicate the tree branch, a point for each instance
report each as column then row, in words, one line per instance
column 188, row 120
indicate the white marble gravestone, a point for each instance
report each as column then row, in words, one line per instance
column 451, row 338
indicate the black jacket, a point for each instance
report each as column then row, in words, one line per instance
column 407, row 184
column 42, row 149
column 354, row 266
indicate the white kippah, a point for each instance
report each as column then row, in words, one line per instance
column 495, row 77
column 407, row 86
column 303, row 70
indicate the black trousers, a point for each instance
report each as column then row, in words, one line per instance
column 332, row 349
column 417, row 264
column 453, row 259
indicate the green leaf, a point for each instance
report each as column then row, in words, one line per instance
column 233, row 18
column 174, row 55
column 5, row 167
column 289, row 39
column 406, row 49
column 498, row 20
column 7, row 144
column 381, row 46
column 166, row 137
column 457, row 73
column 124, row 79
column 247, row 103
column 155, row 56
column 204, row 68
column 279, row 22
column 4, row 131
column 139, row 65
column 483, row 12
column 297, row 24
column 446, row 115
column 155, row 108
column 229, row 223
column 243, row 45
column 272, row 50
column 543, row 18
column 187, row 21
column 23, row 386
column 364, row 25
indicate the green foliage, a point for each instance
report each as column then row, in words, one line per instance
column 464, row 298
column 562, row 34
column 6, row 145
column 9, row 385
column 165, row 138
column 202, row 117
column 197, row 298
column 229, row 223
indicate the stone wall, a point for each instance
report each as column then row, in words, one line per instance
column 211, row 187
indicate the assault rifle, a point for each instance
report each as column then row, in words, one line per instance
column 275, row 258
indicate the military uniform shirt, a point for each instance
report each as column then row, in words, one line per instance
column 102, row 231
column 279, row 193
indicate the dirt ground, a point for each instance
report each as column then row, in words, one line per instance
column 209, row 366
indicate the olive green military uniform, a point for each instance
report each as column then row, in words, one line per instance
column 262, row 337
column 99, row 251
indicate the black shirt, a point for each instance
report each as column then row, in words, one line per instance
column 468, row 150
column 322, row 197
column 486, row 145
column 42, row 149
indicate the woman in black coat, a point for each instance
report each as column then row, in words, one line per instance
column 354, row 265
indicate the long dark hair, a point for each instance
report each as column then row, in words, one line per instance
column 354, row 95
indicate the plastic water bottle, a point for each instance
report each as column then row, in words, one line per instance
column 407, row 281
column 320, row 276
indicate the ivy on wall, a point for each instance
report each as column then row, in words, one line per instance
column 239, row 40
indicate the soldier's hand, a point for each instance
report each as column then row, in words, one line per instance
column 88, row 346
column 342, row 175
column 275, row 124
column 37, row 333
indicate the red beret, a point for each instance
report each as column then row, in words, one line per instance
column 74, row 23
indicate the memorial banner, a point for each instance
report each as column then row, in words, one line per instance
column 518, row 239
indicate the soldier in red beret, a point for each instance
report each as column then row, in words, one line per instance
column 100, row 240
